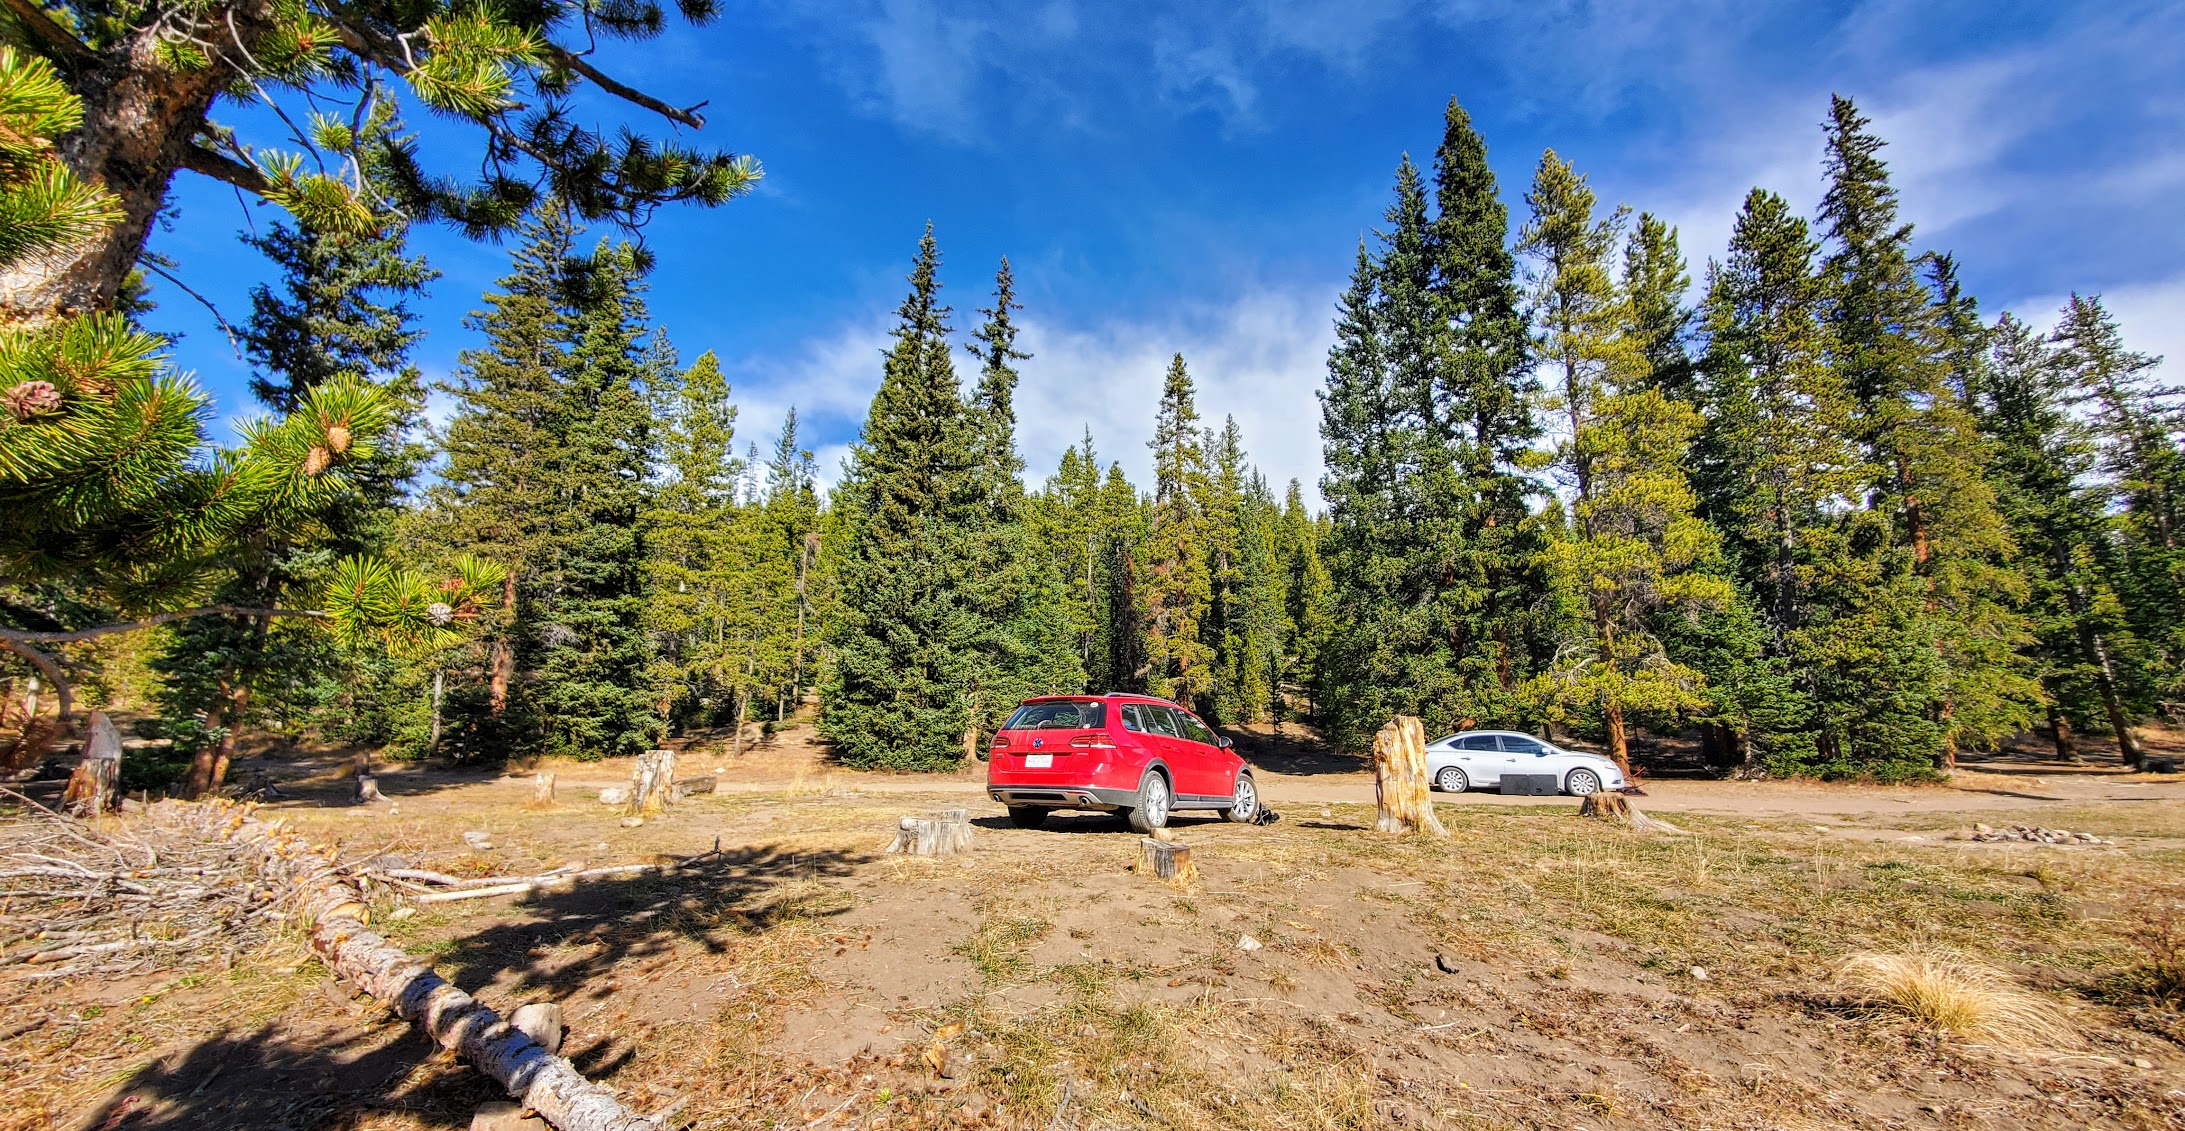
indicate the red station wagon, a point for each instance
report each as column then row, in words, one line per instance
column 1140, row 756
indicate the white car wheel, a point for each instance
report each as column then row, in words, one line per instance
column 1582, row 782
column 1452, row 780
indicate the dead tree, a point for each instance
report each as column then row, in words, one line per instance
column 95, row 786
column 542, row 790
column 1399, row 778
column 652, row 783
column 943, row 832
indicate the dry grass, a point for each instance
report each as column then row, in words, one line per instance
column 1947, row 992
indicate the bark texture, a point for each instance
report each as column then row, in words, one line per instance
column 652, row 783
column 1166, row 860
column 94, row 787
column 337, row 914
column 943, row 832
column 1399, row 778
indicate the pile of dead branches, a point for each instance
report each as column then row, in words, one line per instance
column 163, row 892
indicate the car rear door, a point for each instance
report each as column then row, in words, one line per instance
column 1481, row 758
column 1205, row 770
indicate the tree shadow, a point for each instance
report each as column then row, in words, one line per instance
column 281, row 1077
column 1294, row 752
column 571, row 944
column 561, row 941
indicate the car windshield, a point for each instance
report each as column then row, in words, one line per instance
column 1058, row 716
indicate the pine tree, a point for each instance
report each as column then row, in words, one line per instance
column 1772, row 464
column 1242, row 626
column 1305, row 595
column 1938, row 542
column 789, row 524
column 588, row 657
column 1655, row 282
column 898, row 692
column 340, row 315
column 1634, row 540
column 495, row 497
column 2141, row 424
column 1177, row 589
column 2045, row 476
column 1013, row 588
column 691, row 523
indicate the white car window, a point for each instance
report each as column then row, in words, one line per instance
column 1515, row 745
column 1477, row 742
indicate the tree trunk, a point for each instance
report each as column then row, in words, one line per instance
column 943, row 832
column 439, row 677
column 501, row 659
column 337, row 914
column 542, row 790
column 93, row 788
column 1399, row 778
column 652, row 783
column 140, row 123
column 1619, row 743
column 2059, row 729
column 1166, row 860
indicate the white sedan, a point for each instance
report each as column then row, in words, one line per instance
column 1480, row 758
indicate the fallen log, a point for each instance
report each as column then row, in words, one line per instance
column 334, row 908
column 484, row 889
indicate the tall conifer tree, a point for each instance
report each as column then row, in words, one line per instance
column 1178, row 588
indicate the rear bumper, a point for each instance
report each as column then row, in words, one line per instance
column 1063, row 796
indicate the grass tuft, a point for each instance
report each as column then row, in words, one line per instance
column 1946, row 992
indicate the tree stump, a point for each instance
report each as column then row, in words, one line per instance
column 542, row 790
column 368, row 790
column 1616, row 809
column 652, row 783
column 94, row 787
column 1166, row 860
column 943, row 832
column 1399, row 778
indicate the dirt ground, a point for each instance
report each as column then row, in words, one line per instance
column 1531, row 970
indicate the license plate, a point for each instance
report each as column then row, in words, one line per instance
column 1038, row 761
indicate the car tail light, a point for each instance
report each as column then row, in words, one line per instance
column 1001, row 742
column 1095, row 741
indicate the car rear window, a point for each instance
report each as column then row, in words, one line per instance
column 1058, row 716
column 1478, row 742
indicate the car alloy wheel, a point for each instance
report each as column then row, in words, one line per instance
column 1244, row 803
column 1583, row 782
column 1452, row 780
column 1151, row 812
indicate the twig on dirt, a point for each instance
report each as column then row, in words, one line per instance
column 532, row 883
column 1060, row 1108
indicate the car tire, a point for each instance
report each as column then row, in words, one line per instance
column 1452, row 780
column 1244, row 801
column 1154, row 803
column 1028, row 816
column 1582, row 782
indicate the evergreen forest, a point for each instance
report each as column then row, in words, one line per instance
column 1805, row 503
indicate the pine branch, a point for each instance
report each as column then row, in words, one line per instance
column 49, row 31
column 10, row 636
column 686, row 116
column 51, row 669
column 219, row 166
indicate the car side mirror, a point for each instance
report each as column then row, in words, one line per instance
column 1227, row 743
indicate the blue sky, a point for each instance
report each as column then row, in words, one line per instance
column 1196, row 177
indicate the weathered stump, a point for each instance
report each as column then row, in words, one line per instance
column 368, row 790
column 95, row 786
column 1399, row 778
column 652, row 783
column 1166, row 860
column 542, row 790
column 1615, row 808
column 943, row 832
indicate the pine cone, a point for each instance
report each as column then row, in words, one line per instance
column 316, row 460
column 337, row 438
column 32, row 398
column 440, row 613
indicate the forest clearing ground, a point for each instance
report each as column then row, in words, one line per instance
column 1533, row 970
